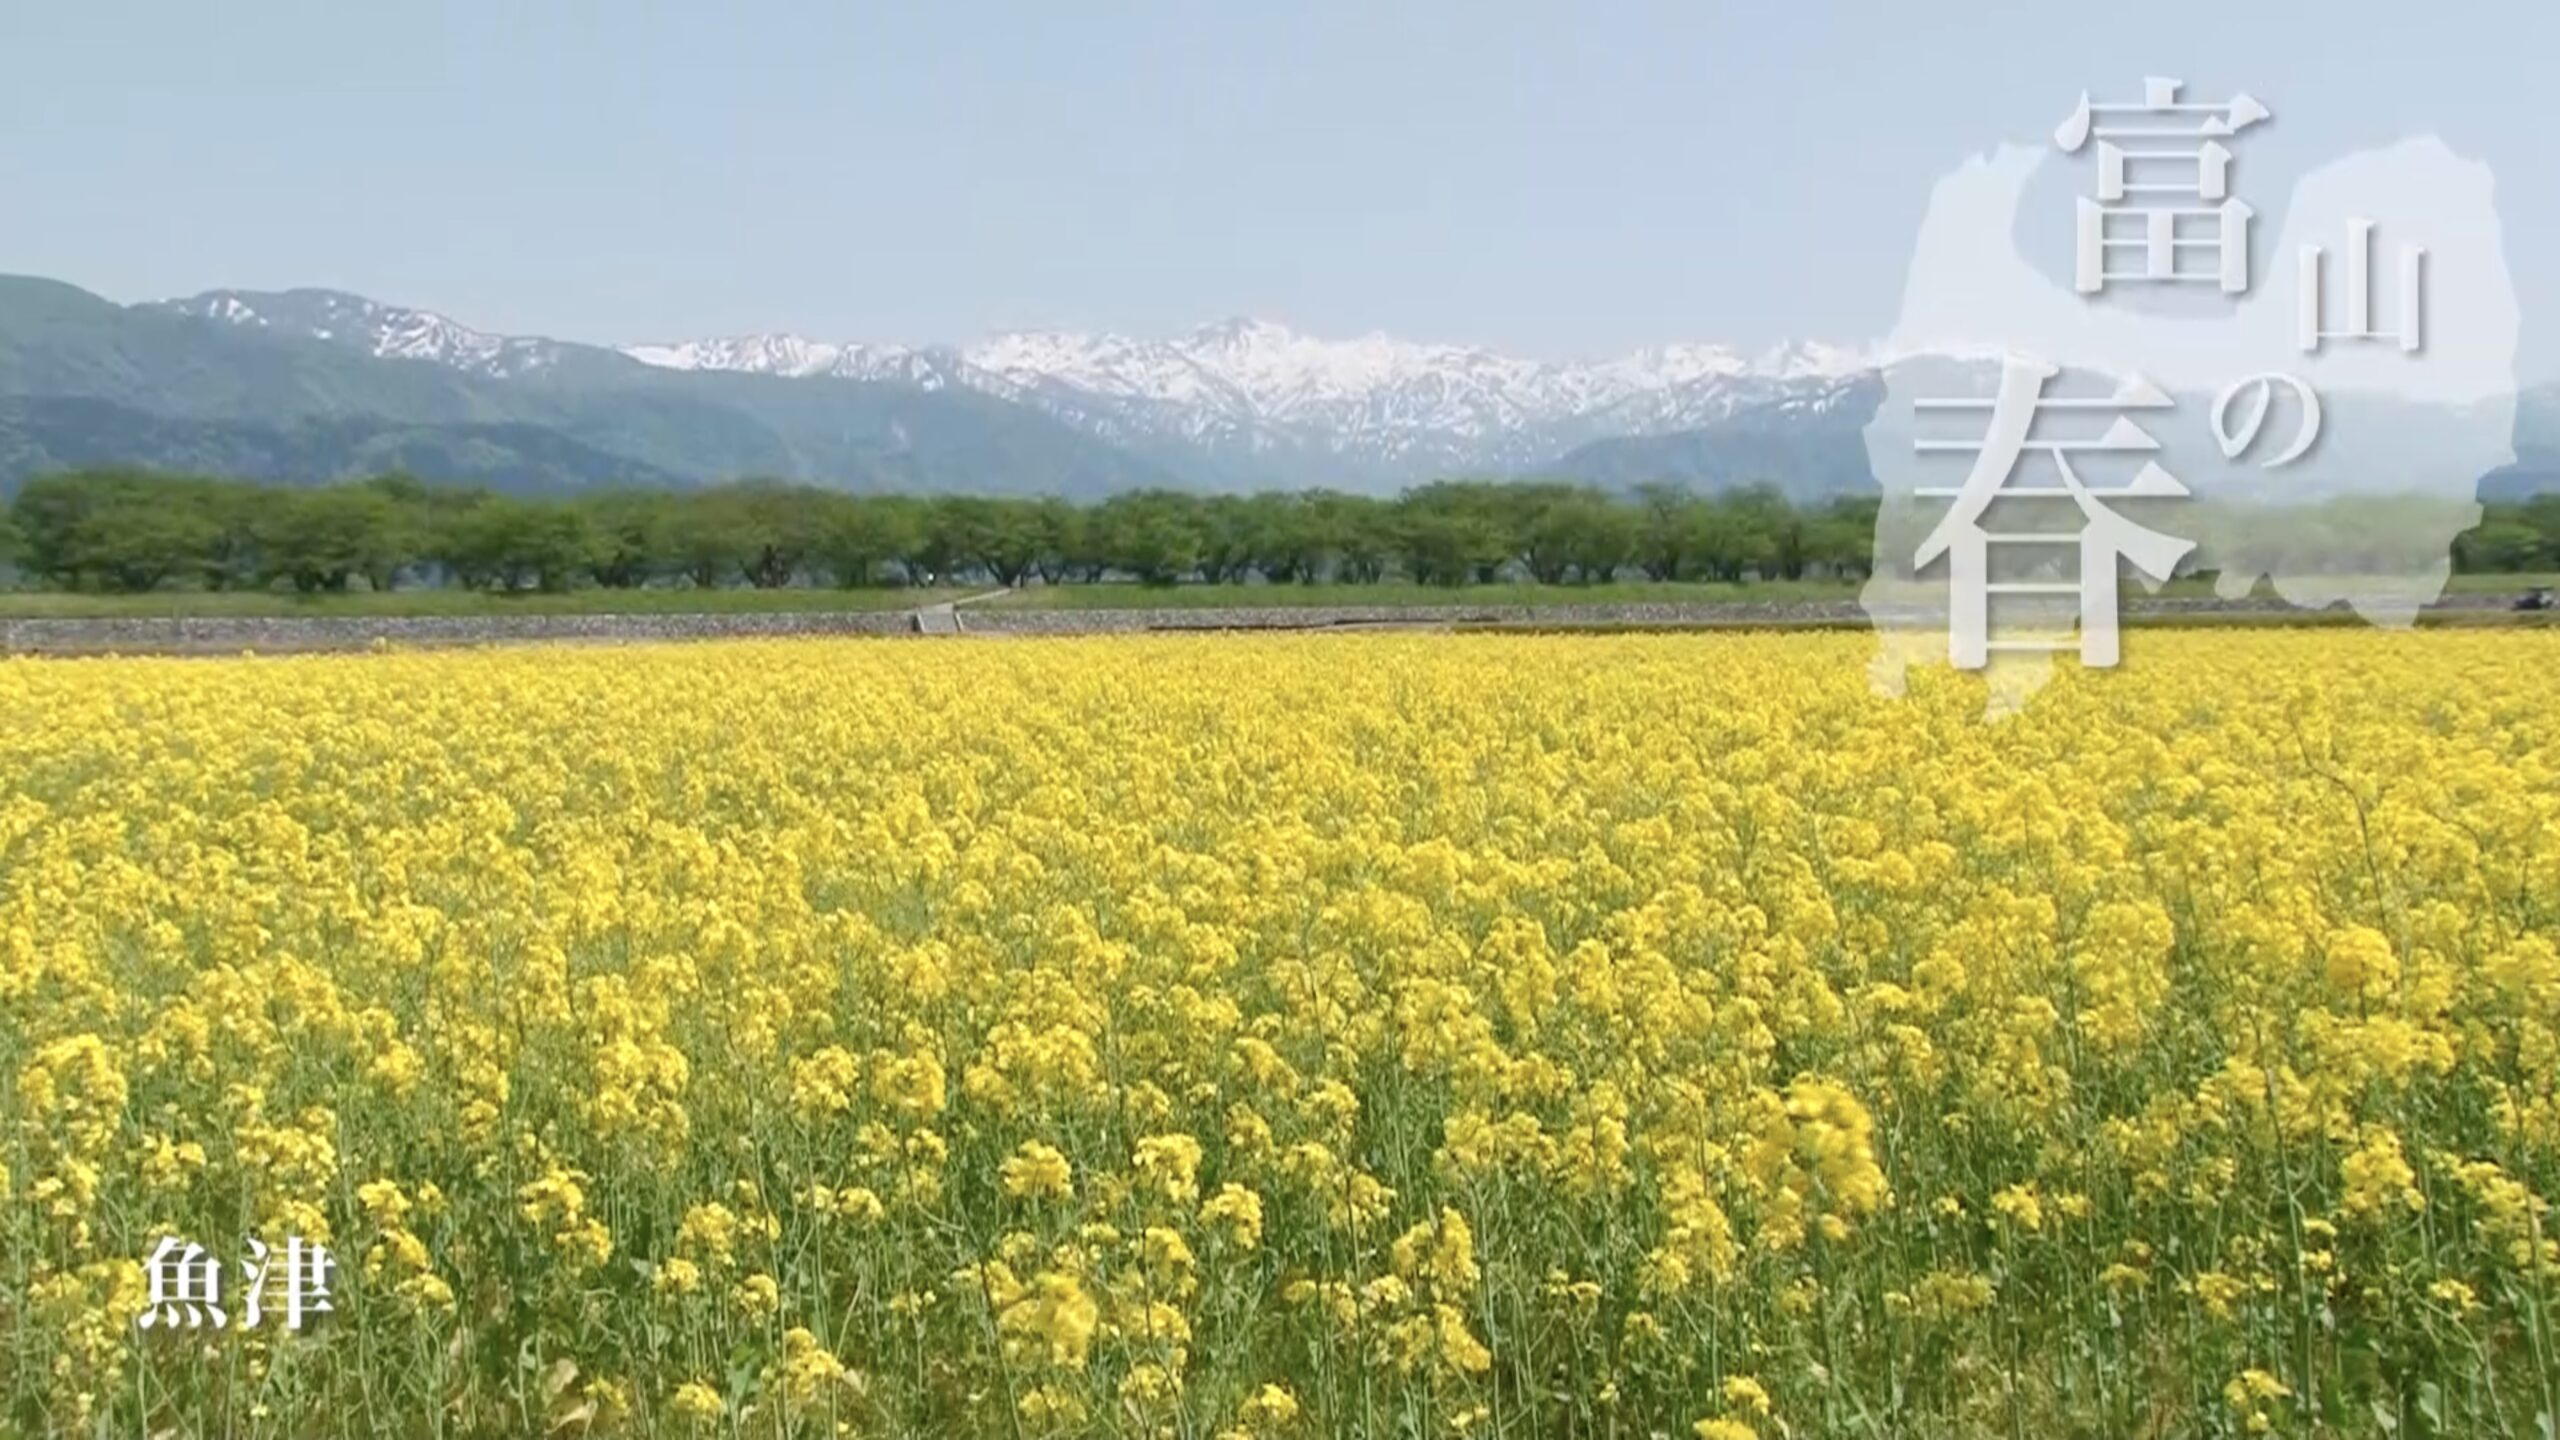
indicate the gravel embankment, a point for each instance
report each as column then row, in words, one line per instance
column 229, row 634
column 233, row 634
column 1720, row 614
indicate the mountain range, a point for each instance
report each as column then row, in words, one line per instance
column 1255, row 402
column 306, row 397
column 315, row 384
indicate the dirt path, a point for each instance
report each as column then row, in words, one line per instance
column 944, row 619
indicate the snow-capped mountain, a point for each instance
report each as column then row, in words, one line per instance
column 797, row 357
column 384, row 331
column 1264, row 398
column 1239, row 401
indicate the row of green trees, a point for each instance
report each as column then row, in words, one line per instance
column 2513, row 536
column 137, row 530
column 134, row 530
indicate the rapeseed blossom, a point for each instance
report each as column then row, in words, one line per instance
column 1292, row 1036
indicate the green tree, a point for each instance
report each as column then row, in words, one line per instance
column 959, row 531
column 2500, row 544
column 321, row 539
column 1360, row 531
column 1734, row 538
column 469, row 540
column 1014, row 540
column 858, row 536
column 234, row 553
column 1085, row 554
column 1451, row 532
column 1059, row 529
column 1226, row 529
column 634, row 535
column 1284, row 536
column 1580, row 533
column 1771, row 529
column 553, row 546
column 1668, row 530
column 708, row 538
column 47, row 515
column 507, row 544
column 1841, row 537
column 138, row 540
column 123, row 529
column 1602, row 538
column 1153, row 535
column 776, row 524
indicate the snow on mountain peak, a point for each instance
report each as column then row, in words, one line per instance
column 763, row 354
column 1240, row 383
column 799, row 357
column 1261, row 384
column 385, row 331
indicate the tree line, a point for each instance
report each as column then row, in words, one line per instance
column 133, row 530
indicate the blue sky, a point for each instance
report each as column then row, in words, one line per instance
column 1553, row 179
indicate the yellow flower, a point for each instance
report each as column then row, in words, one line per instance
column 1639, row 987
column 807, row 1366
column 1743, row 1392
column 2377, row 1175
column 1053, row 1405
column 678, row 1276
column 1269, row 1408
column 384, row 1204
column 1038, row 1172
column 2359, row 962
column 2454, row 1296
column 698, row 1402
column 1056, row 1317
column 1148, row 1387
column 757, row 1295
column 709, row 1232
column 824, row 1083
column 2219, row 1292
column 1441, row 1251
column 1169, row 1165
column 2021, row 1206
column 1235, row 1212
column 1944, row 1293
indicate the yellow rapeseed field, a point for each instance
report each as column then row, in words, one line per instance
column 1187, row 1037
